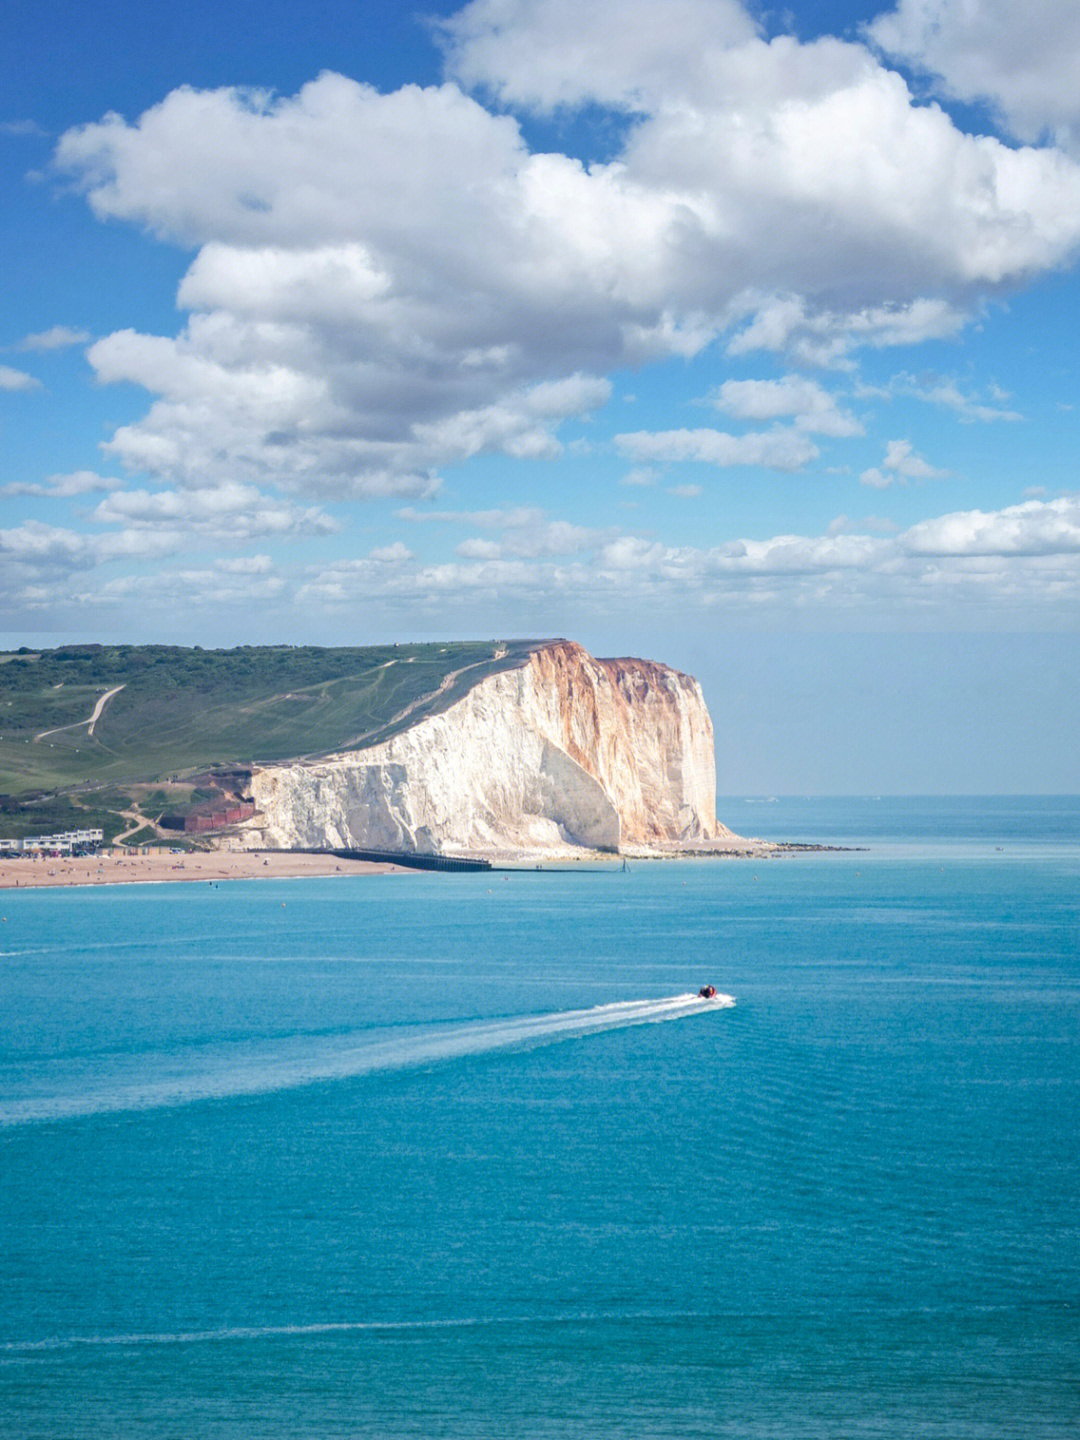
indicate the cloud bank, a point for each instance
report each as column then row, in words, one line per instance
column 1017, row 567
column 1020, row 58
column 387, row 284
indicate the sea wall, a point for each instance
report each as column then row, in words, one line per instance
column 563, row 751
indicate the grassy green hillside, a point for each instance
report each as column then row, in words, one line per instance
column 180, row 711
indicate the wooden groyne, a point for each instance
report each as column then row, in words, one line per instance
column 413, row 861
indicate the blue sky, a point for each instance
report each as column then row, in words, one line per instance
column 741, row 339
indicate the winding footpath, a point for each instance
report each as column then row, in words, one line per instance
column 90, row 722
column 428, row 696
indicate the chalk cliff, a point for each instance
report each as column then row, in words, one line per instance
column 562, row 751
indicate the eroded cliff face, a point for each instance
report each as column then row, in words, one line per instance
column 565, row 751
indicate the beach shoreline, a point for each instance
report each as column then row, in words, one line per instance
column 193, row 865
column 165, row 867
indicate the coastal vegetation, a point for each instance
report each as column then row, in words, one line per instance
column 114, row 735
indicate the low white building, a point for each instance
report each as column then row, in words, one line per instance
column 63, row 842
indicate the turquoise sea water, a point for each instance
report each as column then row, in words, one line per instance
column 362, row 1157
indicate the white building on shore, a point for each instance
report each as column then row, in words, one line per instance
column 64, row 842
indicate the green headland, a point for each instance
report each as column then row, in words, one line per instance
column 111, row 735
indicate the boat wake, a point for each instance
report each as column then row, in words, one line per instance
column 146, row 1082
column 12, row 1350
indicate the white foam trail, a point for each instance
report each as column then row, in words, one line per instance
column 15, row 1348
column 166, row 1080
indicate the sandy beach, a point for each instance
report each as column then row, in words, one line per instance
column 194, row 865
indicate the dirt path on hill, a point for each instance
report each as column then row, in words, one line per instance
column 140, row 823
column 91, row 721
column 443, row 686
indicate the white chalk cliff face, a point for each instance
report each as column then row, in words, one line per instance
column 564, row 751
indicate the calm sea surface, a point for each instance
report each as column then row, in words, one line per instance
column 449, row 1156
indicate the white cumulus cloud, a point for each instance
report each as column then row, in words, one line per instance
column 58, row 337
column 807, row 404
column 774, row 450
column 1034, row 528
column 11, row 379
column 384, row 284
column 901, row 463
column 1021, row 56
column 63, row 487
column 231, row 512
column 548, row 54
column 946, row 392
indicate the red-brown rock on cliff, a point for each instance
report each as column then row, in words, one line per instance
column 562, row 751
